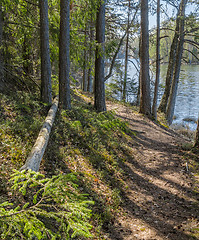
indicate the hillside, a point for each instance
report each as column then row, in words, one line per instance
column 141, row 175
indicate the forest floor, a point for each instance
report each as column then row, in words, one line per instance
column 160, row 202
column 142, row 176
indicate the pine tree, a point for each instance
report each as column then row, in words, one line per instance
column 64, row 55
column 145, row 99
column 46, row 88
column 99, row 87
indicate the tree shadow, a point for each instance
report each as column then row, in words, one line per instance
column 162, row 208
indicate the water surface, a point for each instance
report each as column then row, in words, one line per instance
column 187, row 102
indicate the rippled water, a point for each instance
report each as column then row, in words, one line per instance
column 187, row 102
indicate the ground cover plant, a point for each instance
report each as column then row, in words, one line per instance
column 127, row 165
column 45, row 208
column 21, row 117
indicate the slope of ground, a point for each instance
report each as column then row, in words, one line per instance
column 160, row 203
column 142, row 181
column 21, row 118
column 134, row 169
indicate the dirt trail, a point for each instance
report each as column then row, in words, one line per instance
column 159, row 203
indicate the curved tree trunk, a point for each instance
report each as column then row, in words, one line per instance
column 34, row 159
column 46, row 88
column 145, row 99
column 171, row 66
column 64, row 56
column 163, row 104
column 99, row 87
column 175, row 80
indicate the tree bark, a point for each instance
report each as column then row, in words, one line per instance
column 27, row 56
column 171, row 66
column 126, row 55
column 46, row 88
column 64, row 56
column 99, row 87
column 1, row 52
column 85, row 70
column 91, row 53
column 169, row 76
column 145, row 99
column 34, row 159
column 196, row 140
column 175, row 80
column 157, row 80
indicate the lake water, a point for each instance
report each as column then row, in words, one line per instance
column 187, row 102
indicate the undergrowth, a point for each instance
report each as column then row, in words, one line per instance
column 21, row 117
column 91, row 145
column 48, row 208
column 95, row 146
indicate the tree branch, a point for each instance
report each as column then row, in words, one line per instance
column 118, row 48
column 191, row 53
column 195, row 44
column 191, row 41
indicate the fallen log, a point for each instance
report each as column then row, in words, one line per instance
column 34, row 159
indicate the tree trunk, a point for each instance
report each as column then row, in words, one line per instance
column 157, row 80
column 34, row 159
column 170, row 70
column 196, row 141
column 126, row 56
column 175, row 80
column 1, row 52
column 89, row 85
column 46, row 88
column 27, row 56
column 138, row 93
column 85, row 70
column 64, row 56
column 145, row 99
column 99, row 87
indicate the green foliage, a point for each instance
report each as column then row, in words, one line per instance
column 94, row 127
column 53, row 209
column 21, row 119
column 95, row 146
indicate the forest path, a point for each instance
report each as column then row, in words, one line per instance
column 159, row 202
